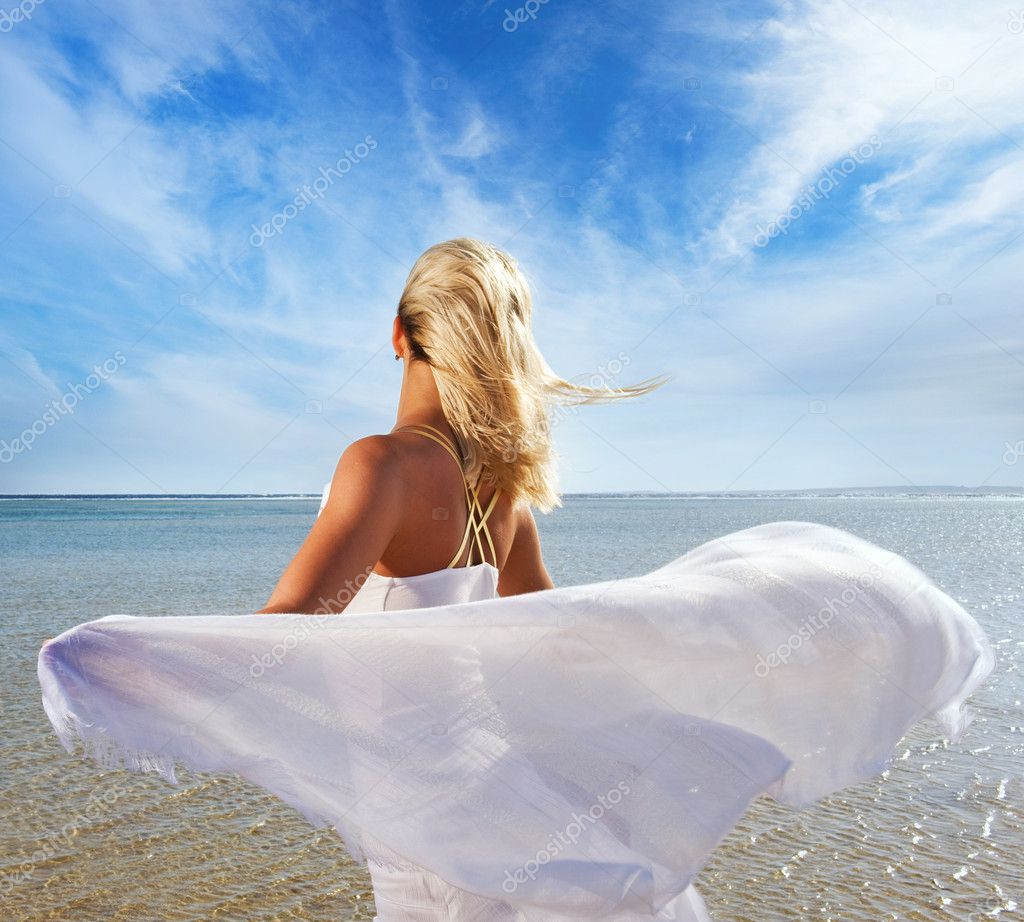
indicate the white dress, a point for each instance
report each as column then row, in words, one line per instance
column 575, row 753
column 402, row 891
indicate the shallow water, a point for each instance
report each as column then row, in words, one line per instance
column 940, row 836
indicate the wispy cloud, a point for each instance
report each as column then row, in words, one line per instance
column 628, row 162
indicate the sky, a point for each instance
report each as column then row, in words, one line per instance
column 809, row 215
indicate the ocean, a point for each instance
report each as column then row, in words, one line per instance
column 939, row 836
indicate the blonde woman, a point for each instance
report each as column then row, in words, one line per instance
column 499, row 750
column 439, row 509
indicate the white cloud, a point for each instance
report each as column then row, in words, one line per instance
column 837, row 75
column 305, row 312
column 119, row 170
column 477, row 139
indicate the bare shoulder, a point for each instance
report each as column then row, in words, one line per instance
column 525, row 524
column 368, row 465
column 371, row 449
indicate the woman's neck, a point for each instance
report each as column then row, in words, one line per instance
column 419, row 401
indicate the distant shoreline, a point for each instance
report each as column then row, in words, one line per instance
column 821, row 493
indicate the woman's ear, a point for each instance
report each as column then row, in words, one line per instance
column 398, row 337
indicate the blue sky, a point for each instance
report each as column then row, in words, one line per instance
column 628, row 156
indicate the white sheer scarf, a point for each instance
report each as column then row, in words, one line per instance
column 575, row 753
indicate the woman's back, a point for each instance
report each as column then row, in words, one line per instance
column 442, row 512
column 446, row 521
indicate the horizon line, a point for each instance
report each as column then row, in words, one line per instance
column 905, row 490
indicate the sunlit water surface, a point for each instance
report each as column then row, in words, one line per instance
column 938, row 837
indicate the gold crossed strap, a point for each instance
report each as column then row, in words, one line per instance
column 476, row 515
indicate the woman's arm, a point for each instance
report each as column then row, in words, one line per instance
column 353, row 531
column 524, row 569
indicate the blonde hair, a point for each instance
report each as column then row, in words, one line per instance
column 466, row 311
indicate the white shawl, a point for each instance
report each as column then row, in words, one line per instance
column 578, row 751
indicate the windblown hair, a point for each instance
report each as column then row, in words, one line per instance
column 466, row 311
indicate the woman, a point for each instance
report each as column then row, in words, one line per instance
column 447, row 493
column 439, row 510
column 554, row 754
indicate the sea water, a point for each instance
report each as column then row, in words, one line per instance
column 938, row 836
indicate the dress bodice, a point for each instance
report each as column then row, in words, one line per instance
column 442, row 587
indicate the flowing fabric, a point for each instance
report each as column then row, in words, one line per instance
column 573, row 753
